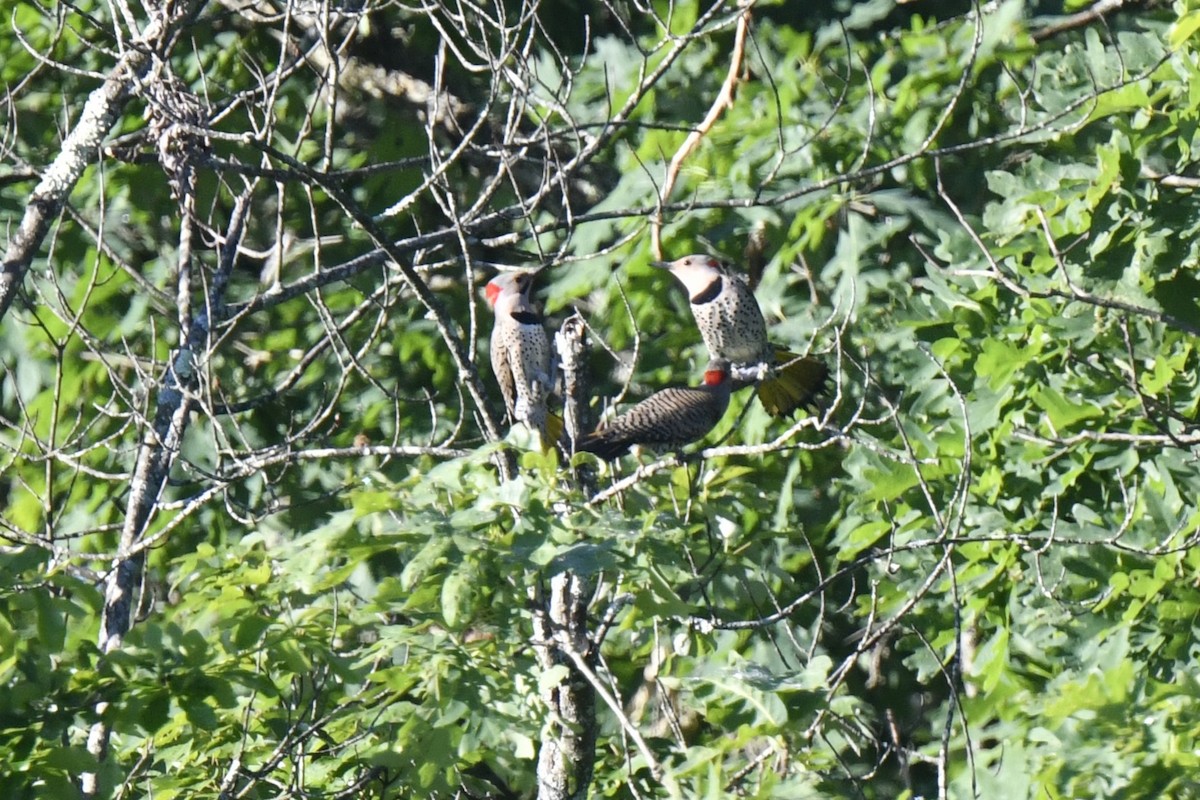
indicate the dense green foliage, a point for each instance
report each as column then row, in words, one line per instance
column 973, row 573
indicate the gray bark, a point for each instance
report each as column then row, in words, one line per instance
column 157, row 453
column 572, row 346
column 81, row 148
column 568, row 750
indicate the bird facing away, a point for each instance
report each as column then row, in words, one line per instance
column 520, row 350
column 732, row 327
column 667, row 419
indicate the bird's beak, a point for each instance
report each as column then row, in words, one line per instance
column 661, row 264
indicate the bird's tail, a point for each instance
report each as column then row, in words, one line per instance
column 795, row 382
column 603, row 445
column 554, row 430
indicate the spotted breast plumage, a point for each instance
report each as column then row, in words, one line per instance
column 732, row 327
column 520, row 350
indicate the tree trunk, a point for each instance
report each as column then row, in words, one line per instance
column 568, row 751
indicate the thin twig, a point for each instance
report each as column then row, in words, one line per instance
column 723, row 100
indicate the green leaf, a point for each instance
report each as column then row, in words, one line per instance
column 456, row 595
column 998, row 362
column 1184, row 28
column 1064, row 413
column 862, row 537
column 553, row 677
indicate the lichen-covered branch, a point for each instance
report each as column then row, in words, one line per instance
column 80, row 148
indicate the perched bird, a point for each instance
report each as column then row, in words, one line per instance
column 668, row 419
column 520, row 350
column 732, row 327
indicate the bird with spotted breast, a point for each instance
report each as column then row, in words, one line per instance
column 520, row 351
column 667, row 419
column 732, row 327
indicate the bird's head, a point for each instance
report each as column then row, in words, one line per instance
column 511, row 285
column 695, row 272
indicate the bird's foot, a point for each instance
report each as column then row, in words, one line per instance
column 747, row 374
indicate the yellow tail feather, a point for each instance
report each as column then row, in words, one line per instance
column 795, row 383
column 554, row 431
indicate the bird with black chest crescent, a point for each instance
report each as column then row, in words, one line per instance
column 732, row 326
column 520, row 350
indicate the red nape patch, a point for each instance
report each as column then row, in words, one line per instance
column 492, row 290
column 713, row 377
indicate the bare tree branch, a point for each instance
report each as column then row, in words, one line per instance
column 82, row 145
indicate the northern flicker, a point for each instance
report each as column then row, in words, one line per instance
column 732, row 327
column 667, row 419
column 520, row 350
